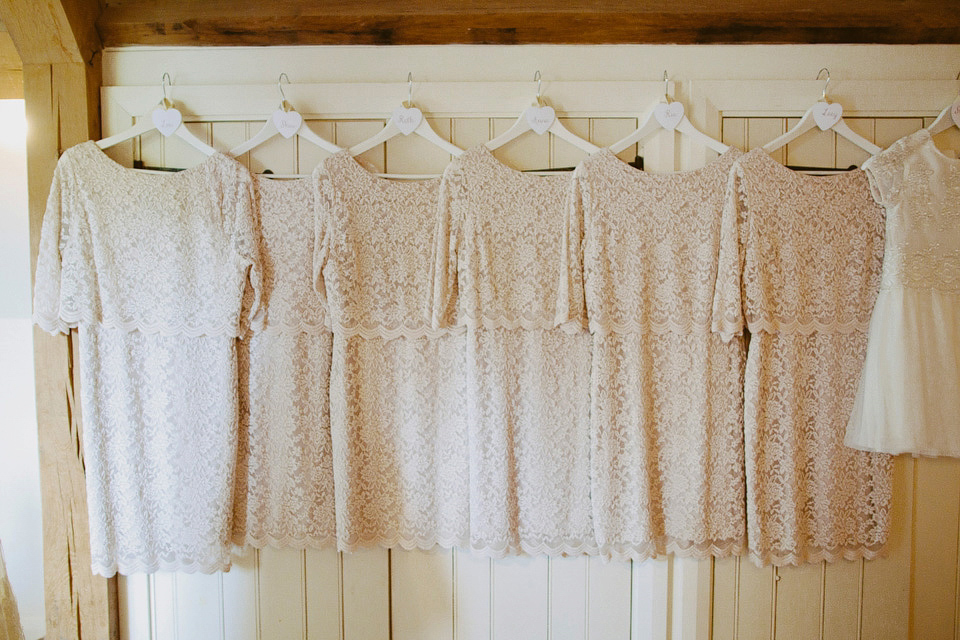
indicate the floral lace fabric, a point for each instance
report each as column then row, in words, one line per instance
column 907, row 400
column 152, row 269
column 799, row 267
column 666, row 410
column 498, row 250
column 397, row 408
column 284, row 494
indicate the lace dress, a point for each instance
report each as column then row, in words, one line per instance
column 498, row 254
column 800, row 267
column 397, row 410
column 284, row 494
column 152, row 270
column 909, row 394
column 666, row 408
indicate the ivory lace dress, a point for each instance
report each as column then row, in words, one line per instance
column 909, row 394
column 285, row 494
column 397, row 408
column 498, row 254
column 666, row 413
column 799, row 268
column 152, row 269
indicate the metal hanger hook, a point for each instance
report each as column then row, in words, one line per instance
column 409, row 102
column 823, row 94
column 539, row 80
column 164, row 83
column 666, row 87
column 283, row 97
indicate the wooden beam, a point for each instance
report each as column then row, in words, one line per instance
column 254, row 22
column 53, row 31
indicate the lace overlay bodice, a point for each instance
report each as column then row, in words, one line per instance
column 397, row 402
column 800, row 266
column 284, row 494
column 907, row 400
column 152, row 270
column 666, row 400
column 498, row 252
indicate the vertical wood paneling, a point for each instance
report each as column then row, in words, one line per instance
column 133, row 595
column 178, row 153
column 570, row 597
column 198, row 606
column 164, row 612
column 277, row 155
column 529, row 151
column 310, row 155
column 240, row 603
column 421, row 584
column 349, row 132
column 650, row 599
column 756, row 600
column 842, row 599
column 417, row 154
column 473, row 606
column 366, row 595
column 324, row 591
column 282, row 588
column 606, row 131
column 564, row 154
column 726, row 574
column 608, row 600
column 520, row 603
column 798, row 599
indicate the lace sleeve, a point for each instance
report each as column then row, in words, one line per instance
column 54, row 237
column 728, row 291
column 571, row 305
column 246, row 242
column 885, row 171
column 322, row 219
column 443, row 281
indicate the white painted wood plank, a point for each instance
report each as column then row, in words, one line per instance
column 565, row 154
column 650, row 601
column 366, row 595
column 472, row 599
column 529, row 151
column 133, row 605
column 606, row 131
column 421, row 584
column 755, row 613
column 415, row 154
column 226, row 135
column 277, row 155
column 608, row 609
column 798, row 602
column 690, row 599
column 841, row 599
column 163, row 588
column 178, row 153
column 240, row 598
column 351, row 132
column 308, row 154
column 849, row 153
column 725, row 588
column 282, row 591
column 469, row 132
column 520, row 602
column 569, row 597
column 198, row 606
column 323, row 594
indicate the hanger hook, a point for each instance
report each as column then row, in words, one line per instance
column 409, row 102
column 539, row 80
column 164, row 83
column 666, row 86
column 283, row 97
column 823, row 94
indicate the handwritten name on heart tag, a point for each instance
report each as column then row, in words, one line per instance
column 955, row 113
column 826, row 115
column 287, row 122
column 668, row 115
column 540, row 119
column 407, row 119
column 166, row 120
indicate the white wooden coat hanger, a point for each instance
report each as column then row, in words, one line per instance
column 826, row 116
column 669, row 116
column 949, row 117
column 285, row 121
column 166, row 119
column 540, row 118
column 406, row 119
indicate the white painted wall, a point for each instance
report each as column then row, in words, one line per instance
column 20, row 516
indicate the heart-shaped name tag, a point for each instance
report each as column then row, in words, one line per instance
column 826, row 115
column 955, row 113
column 540, row 119
column 668, row 115
column 166, row 120
column 287, row 122
column 407, row 119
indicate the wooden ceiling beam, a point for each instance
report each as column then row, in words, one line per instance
column 387, row 22
column 52, row 31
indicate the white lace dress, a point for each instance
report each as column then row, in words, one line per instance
column 397, row 408
column 909, row 394
column 498, row 254
column 666, row 393
column 800, row 268
column 285, row 494
column 152, row 270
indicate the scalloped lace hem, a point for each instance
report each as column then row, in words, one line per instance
column 807, row 327
column 727, row 329
column 393, row 333
column 647, row 327
column 698, row 550
column 294, row 328
column 571, row 327
column 482, row 548
column 183, row 564
column 64, row 322
column 915, row 450
column 814, row 555
column 405, row 542
column 287, row 542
